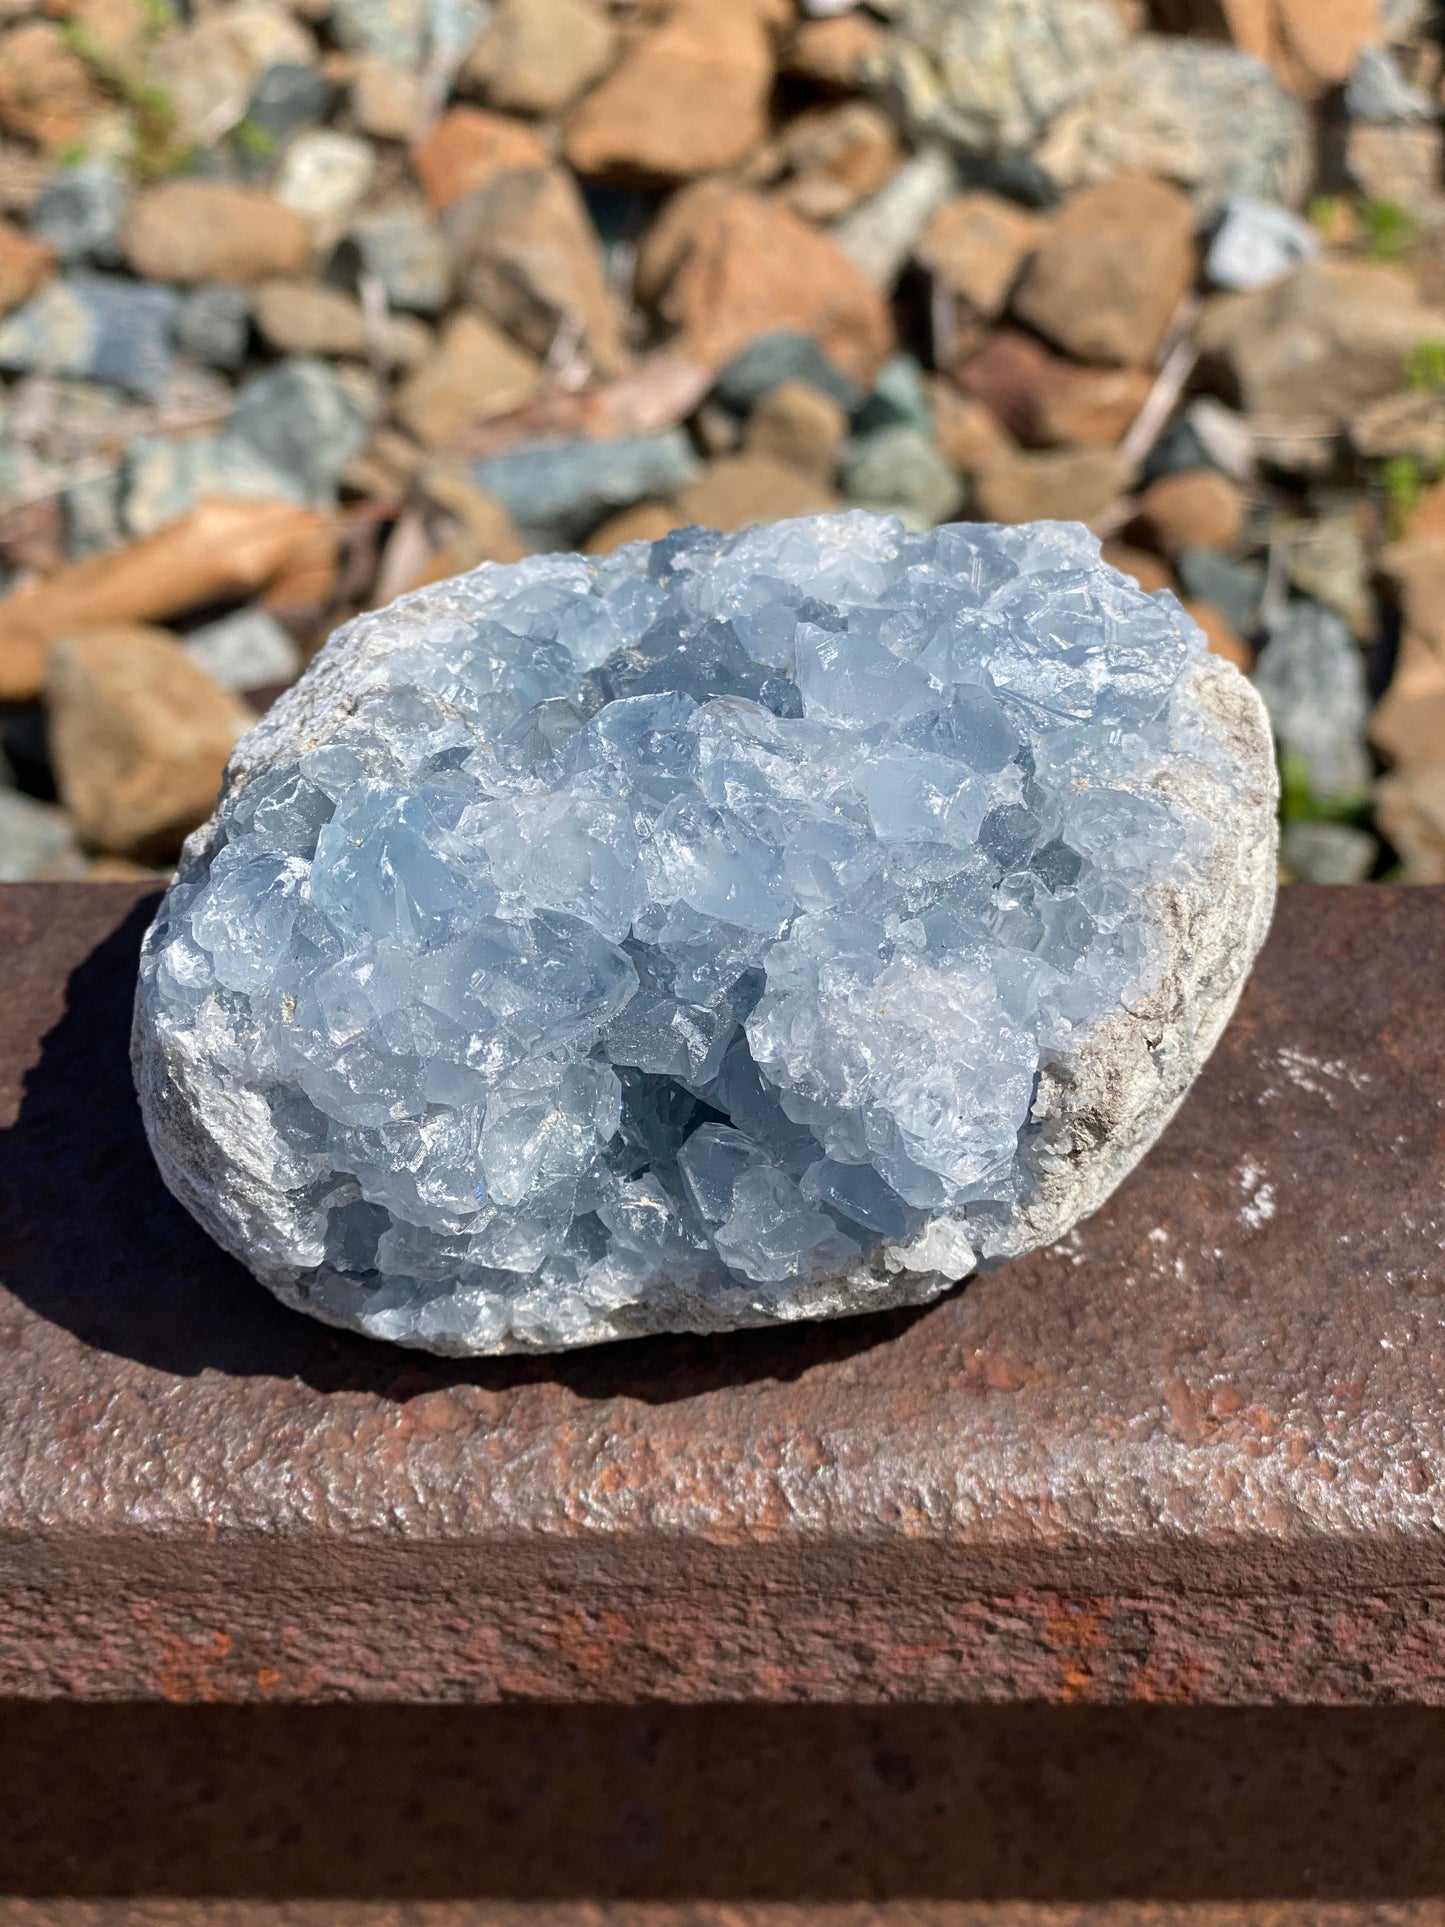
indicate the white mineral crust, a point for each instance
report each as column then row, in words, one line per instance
column 729, row 930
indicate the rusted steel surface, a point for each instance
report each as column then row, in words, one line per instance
column 1193, row 1455
column 1197, row 1807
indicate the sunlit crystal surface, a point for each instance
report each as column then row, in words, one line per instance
column 693, row 918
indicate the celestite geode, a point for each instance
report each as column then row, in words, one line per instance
column 732, row 929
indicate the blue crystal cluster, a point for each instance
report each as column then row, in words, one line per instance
column 690, row 923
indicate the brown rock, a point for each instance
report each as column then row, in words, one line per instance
column 833, row 158
column 1317, row 42
column 204, row 75
column 1408, row 726
column 209, row 231
column 1311, row 44
column 537, row 56
column 643, row 522
column 384, row 469
column 1410, row 812
column 387, row 101
column 688, row 97
column 1048, row 402
column 976, row 246
column 46, row 92
column 1196, row 509
column 1400, row 162
column 117, row 29
column 661, row 390
column 1072, row 487
column 834, row 52
column 1425, row 522
column 139, row 736
column 1416, row 566
column 469, row 147
column 1148, row 571
column 526, row 252
column 723, row 266
column 1110, row 271
column 473, row 371
column 1322, row 343
column 970, row 437
column 308, row 318
column 738, row 490
column 1083, row 407
column 25, row 266
column 800, row 427
column 1409, row 424
column 1220, row 636
column 222, row 551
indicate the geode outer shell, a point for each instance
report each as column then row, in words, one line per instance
column 214, row 1139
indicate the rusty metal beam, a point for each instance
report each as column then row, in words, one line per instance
column 1193, row 1456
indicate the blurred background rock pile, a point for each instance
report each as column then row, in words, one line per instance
column 303, row 305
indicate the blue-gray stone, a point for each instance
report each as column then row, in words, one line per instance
column 80, row 212
column 1256, row 244
column 98, row 327
column 1378, row 91
column 1328, row 852
column 728, row 930
column 304, row 420
column 1235, row 588
column 404, row 249
column 91, row 509
column 288, row 96
column 783, row 355
column 410, row 32
column 1312, row 678
column 246, row 650
column 899, row 470
column 36, row 840
column 898, row 398
column 165, row 476
column 558, row 491
column 213, row 325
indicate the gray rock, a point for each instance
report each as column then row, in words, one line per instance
column 303, row 419
column 97, row 327
column 287, row 97
column 1235, row 588
column 898, row 397
column 991, row 75
column 324, row 174
column 1257, row 243
column 1312, row 680
column 880, row 234
column 165, row 478
column 81, row 212
column 556, row 491
column 772, row 359
column 1378, row 91
column 404, row 249
column 1328, row 852
column 1210, row 118
column 410, row 32
column 247, row 650
column 213, row 325
column 36, row 840
column 900, row 471
column 92, row 515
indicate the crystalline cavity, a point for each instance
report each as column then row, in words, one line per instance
column 731, row 929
